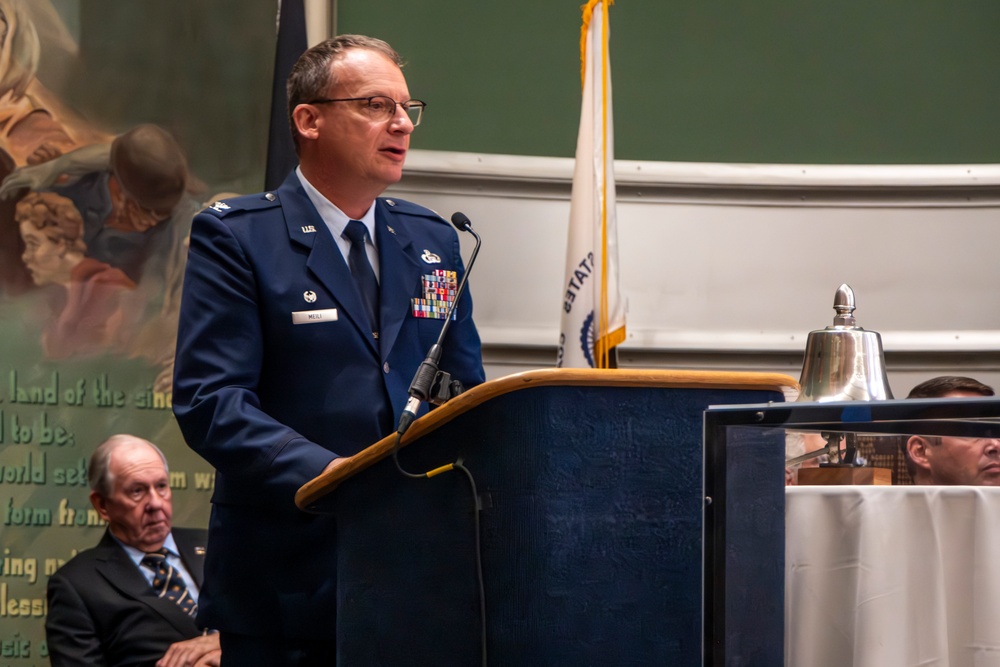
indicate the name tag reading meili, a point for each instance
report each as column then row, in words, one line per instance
column 314, row 316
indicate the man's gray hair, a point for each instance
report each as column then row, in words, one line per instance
column 312, row 78
column 99, row 475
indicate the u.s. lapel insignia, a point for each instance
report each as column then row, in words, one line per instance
column 391, row 230
column 220, row 206
column 308, row 229
column 309, row 296
column 430, row 257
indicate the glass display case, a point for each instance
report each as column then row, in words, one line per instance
column 746, row 574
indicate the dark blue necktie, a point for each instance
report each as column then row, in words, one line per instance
column 168, row 583
column 361, row 268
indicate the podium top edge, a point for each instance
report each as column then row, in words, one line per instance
column 313, row 490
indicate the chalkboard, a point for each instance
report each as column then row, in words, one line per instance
column 772, row 81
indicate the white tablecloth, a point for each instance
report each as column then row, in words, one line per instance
column 892, row 576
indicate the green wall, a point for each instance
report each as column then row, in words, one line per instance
column 851, row 81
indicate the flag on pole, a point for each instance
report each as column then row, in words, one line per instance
column 593, row 317
column 291, row 44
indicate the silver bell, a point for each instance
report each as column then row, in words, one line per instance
column 843, row 362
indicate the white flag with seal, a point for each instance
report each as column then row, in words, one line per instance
column 593, row 317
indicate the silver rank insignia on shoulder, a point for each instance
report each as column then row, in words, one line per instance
column 390, row 202
column 308, row 229
column 219, row 206
column 309, row 296
column 270, row 196
column 430, row 257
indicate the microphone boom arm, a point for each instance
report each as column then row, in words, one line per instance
column 430, row 384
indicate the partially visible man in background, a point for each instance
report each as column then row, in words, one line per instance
column 132, row 599
column 950, row 460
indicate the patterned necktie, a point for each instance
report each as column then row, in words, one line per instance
column 168, row 583
column 361, row 268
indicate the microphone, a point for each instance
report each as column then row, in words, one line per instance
column 462, row 223
column 424, row 379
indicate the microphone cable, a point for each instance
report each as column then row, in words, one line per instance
column 420, row 390
column 477, row 508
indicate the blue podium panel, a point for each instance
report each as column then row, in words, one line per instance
column 745, row 545
column 590, row 534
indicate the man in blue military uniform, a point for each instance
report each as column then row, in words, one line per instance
column 300, row 331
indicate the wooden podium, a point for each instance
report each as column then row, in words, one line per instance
column 590, row 484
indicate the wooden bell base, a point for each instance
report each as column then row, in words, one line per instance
column 845, row 475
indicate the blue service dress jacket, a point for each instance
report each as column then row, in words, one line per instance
column 278, row 372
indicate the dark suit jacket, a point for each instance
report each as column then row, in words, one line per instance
column 103, row 612
column 269, row 402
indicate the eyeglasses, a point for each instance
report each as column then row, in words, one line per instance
column 381, row 108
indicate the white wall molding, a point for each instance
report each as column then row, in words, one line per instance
column 717, row 183
column 736, row 262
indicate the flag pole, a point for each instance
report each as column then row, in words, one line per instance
column 599, row 324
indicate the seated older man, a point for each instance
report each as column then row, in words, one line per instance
column 132, row 599
column 949, row 460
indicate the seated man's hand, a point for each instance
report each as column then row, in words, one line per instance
column 210, row 659
column 197, row 652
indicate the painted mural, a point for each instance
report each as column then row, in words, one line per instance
column 118, row 121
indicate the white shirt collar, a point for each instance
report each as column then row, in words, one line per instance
column 335, row 219
column 136, row 554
